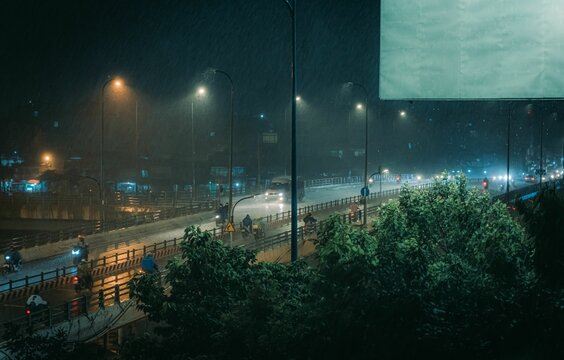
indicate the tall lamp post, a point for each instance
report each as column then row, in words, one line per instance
column 365, row 198
column 230, row 170
column 116, row 82
column 200, row 92
column 294, row 168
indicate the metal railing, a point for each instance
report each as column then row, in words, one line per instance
column 218, row 233
column 97, row 265
column 98, row 227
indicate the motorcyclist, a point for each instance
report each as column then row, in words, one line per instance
column 148, row 264
column 35, row 301
column 309, row 222
column 221, row 214
column 83, row 246
column 84, row 274
column 13, row 258
column 248, row 224
column 354, row 212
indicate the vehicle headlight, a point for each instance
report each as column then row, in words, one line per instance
column 265, row 194
column 280, row 194
column 217, row 216
column 7, row 257
column 76, row 252
column 281, row 198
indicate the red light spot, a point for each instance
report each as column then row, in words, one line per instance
column 27, row 311
column 75, row 278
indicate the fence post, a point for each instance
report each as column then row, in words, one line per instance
column 11, row 284
column 116, row 294
column 26, row 280
column 133, row 255
column 84, row 305
column 104, row 260
column 42, row 276
column 116, row 258
column 164, row 245
column 144, row 250
column 69, row 311
column 101, row 299
column 127, row 254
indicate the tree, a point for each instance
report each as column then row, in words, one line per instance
column 544, row 219
column 220, row 302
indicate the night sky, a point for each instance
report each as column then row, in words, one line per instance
column 57, row 54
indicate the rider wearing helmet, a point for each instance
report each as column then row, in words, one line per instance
column 13, row 258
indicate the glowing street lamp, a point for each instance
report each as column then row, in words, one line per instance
column 199, row 93
column 361, row 87
column 117, row 83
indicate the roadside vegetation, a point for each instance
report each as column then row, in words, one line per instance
column 444, row 273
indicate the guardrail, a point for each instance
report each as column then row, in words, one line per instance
column 98, row 226
column 96, row 265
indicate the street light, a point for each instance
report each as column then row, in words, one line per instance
column 200, row 92
column 359, row 106
column 365, row 198
column 117, row 83
column 379, row 172
column 294, row 168
column 230, row 171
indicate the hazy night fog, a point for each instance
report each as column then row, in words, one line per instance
column 58, row 54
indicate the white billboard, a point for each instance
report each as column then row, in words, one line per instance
column 471, row 49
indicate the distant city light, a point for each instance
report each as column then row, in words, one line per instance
column 298, row 98
column 402, row 113
column 201, row 90
column 359, row 106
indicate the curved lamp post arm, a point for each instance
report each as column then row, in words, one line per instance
column 238, row 201
column 230, row 174
column 354, row 84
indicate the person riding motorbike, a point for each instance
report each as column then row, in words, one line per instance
column 247, row 225
column 354, row 212
column 309, row 223
column 84, row 276
column 221, row 215
column 148, row 264
column 13, row 259
column 80, row 250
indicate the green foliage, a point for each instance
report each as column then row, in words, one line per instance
column 23, row 344
column 544, row 219
column 221, row 303
column 466, row 261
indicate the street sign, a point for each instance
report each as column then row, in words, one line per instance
column 365, row 191
column 230, row 227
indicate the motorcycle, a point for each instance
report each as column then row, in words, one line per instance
column 10, row 265
column 310, row 227
column 219, row 221
column 82, row 283
column 245, row 232
column 78, row 253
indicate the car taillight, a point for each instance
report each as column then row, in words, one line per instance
column 75, row 278
column 27, row 311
